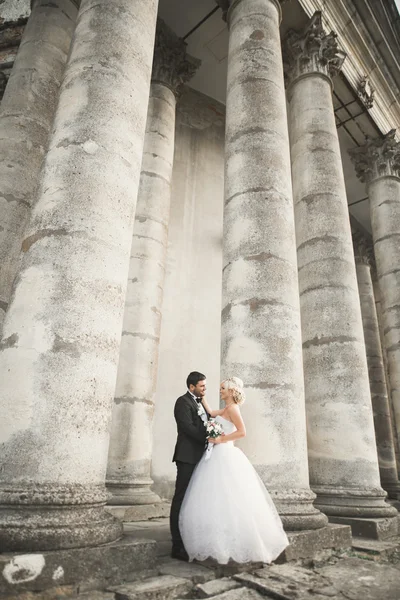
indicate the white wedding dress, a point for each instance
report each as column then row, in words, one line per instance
column 227, row 514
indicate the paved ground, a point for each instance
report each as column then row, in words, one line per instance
column 350, row 575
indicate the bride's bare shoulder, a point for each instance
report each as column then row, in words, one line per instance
column 231, row 411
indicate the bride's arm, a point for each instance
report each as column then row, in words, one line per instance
column 234, row 414
column 212, row 413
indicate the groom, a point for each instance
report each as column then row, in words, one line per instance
column 190, row 417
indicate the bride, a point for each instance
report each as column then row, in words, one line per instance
column 227, row 514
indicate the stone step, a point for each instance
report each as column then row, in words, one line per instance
column 196, row 573
column 240, row 593
column 93, row 595
column 215, row 587
column 306, row 543
column 375, row 529
column 140, row 512
column 164, row 587
column 108, row 564
column 377, row 549
column 286, row 589
column 164, row 549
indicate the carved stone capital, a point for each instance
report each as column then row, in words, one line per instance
column 366, row 92
column 377, row 158
column 363, row 248
column 171, row 65
column 311, row 51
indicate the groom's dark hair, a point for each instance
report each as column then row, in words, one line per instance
column 193, row 378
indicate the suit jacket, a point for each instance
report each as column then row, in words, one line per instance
column 191, row 431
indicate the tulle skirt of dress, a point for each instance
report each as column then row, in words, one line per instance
column 227, row 514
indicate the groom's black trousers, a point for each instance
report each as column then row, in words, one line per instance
column 185, row 471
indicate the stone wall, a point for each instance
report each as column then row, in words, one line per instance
column 190, row 331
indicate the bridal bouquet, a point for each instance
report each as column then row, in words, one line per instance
column 214, row 430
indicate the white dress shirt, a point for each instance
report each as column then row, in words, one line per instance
column 201, row 411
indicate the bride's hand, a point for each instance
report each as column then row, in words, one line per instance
column 217, row 440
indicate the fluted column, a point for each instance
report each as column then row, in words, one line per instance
column 129, row 460
column 26, row 116
column 341, row 441
column 378, row 165
column 377, row 381
column 59, row 354
column 261, row 338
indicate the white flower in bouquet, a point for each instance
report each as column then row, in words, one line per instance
column 214, row 430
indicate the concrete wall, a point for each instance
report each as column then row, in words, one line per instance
column 190, row 330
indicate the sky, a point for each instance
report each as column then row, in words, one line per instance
column 397, row 4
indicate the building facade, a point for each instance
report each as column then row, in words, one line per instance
column 210, row 187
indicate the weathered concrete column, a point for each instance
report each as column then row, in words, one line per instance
column 129, row 459
column 380, row 403
column 26, row 116
column 261, row 337
column 378, row 164
column 59, row 354
column 378, row 306
column 341, row 440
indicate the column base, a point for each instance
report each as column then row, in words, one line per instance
column 392, row 489
column 139, row 512
column 53, row 517
column 131, row 493
column 395, row 503
column 296, row 510
column 373, row 529
column 305, row 544
column 53, row 528
column 353, row 502
column 85, row 568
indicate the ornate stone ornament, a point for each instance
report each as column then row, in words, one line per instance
column 366, row 92
column 377, row 158
column 171, row 65
column 312, row 51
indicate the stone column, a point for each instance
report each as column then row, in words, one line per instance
column 261, row 337
column 378, row 306
column 380, row 402
column 129, row 459
column 59, row 354
column 378, row 165
column 26, row 116
column 341, row 441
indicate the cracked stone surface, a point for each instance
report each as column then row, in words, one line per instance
column 216, row 586
column 343, row 576
column 164, row 587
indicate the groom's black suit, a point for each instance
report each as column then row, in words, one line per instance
column 188, row 451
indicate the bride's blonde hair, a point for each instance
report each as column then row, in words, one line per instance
column 236, row 385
